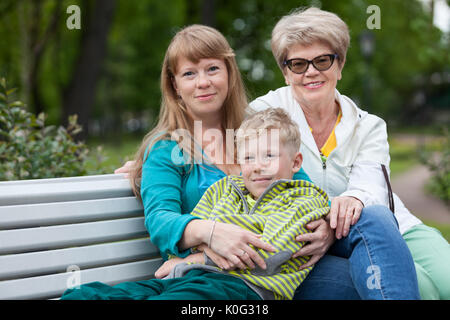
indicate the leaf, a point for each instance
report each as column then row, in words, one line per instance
column 16, row 104
column 11, row 91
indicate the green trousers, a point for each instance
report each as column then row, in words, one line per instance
column 431, row 255
column 195, row 285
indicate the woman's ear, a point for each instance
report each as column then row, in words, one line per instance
column 340, row 66
column 174, row 83
column 286, row 79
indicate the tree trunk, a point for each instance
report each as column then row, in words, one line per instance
column 209, row 13
column 79, row 96
column 33, row 47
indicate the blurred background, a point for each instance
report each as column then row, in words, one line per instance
column 107, row 73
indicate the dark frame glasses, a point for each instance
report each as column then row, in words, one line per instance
column 321, row 63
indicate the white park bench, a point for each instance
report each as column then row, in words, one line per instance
column 59, row 233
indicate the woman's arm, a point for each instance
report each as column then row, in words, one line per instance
column 173, row 232
column 161, row 189
column 366, row 182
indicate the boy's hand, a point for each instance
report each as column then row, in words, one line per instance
column 344, row 212
column 168, row 265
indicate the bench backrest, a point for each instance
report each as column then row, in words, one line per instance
column 57, row 233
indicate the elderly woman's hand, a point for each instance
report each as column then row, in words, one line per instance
column 320, row 240
column 344, row 212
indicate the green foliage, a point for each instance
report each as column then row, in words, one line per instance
column 394, row 83
column 439, row 164
column 31, row 150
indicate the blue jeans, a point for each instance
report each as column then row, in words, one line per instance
column 372, row 262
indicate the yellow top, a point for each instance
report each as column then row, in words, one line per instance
column 331, row 143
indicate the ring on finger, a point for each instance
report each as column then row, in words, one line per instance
column 243, row 252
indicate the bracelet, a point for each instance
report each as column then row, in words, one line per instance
column 211, row 233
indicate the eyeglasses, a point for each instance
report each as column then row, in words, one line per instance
column 321, row 63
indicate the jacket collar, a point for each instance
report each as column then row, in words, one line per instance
column 351, row 115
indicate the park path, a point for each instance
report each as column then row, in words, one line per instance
column 409, row 186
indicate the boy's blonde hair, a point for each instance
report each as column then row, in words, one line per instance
column 263, row 122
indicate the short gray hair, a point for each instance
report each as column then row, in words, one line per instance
column 308, row 25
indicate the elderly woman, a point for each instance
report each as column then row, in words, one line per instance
column 343, row 146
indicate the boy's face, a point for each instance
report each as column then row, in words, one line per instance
column 264, row 160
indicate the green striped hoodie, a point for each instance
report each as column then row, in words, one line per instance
column 279, row 215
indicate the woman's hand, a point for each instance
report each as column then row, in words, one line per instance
column 229, row 241
column 126, row 168
column 344, row 211
column 233, row 243
column 219, row 261
column 320, row 240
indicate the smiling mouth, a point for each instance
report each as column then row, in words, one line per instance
column 261, row 179
column 313, row 85
column 205, row 96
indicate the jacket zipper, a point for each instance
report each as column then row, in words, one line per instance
column 324, row 172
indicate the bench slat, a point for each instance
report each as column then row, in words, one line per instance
column 64, row 189
column 23, row 240
column 44, row 214
column 53, row 261
column 52, row 286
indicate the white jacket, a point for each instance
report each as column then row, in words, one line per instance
column 353, row 168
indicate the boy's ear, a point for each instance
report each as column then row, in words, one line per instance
column 297, row 162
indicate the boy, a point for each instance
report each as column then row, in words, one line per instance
column 264, row 200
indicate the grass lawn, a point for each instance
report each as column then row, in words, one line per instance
column 116, row 153
column 403, row 157
column 443, row 228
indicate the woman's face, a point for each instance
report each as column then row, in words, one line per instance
column 312, row 86
column 202, row 86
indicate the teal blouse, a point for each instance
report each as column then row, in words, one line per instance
column 170, row 189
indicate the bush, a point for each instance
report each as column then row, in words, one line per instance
column 31, row 150
column 439, row 164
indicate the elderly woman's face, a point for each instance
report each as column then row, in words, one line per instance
column 313, row 86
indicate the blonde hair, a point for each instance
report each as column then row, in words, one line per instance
column 305, row 26
column 263, row 121
column 193, row 42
